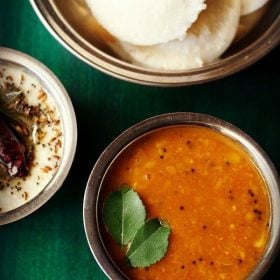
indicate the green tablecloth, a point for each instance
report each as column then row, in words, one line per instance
column 50, row 243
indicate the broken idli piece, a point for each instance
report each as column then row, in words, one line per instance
column 250, row 6
column 145, row 22
column 205, row 41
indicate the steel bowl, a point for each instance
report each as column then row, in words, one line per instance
column 68, row 25
column 92, row 201
column 55, row 89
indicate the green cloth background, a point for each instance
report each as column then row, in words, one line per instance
column 50, row 243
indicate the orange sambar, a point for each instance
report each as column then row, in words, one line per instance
column 207, row 188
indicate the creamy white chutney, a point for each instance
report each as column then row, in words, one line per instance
column 47, row 140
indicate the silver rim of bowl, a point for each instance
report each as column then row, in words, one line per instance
column 91, row 197
column 63, row 103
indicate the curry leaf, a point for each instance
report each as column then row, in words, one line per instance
column 123, row 214
column 149, row 244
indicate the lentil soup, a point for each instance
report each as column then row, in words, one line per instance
column 210, row 192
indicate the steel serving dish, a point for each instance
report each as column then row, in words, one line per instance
column 55, row 89
column 92, row 194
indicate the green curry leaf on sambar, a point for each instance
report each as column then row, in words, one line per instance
column 149, row 244
column 123, row 214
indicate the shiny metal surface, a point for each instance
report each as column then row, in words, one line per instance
column 64, row 106
column 91, row 199
column 259, row 43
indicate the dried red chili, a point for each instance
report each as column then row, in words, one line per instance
column 11, row 151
